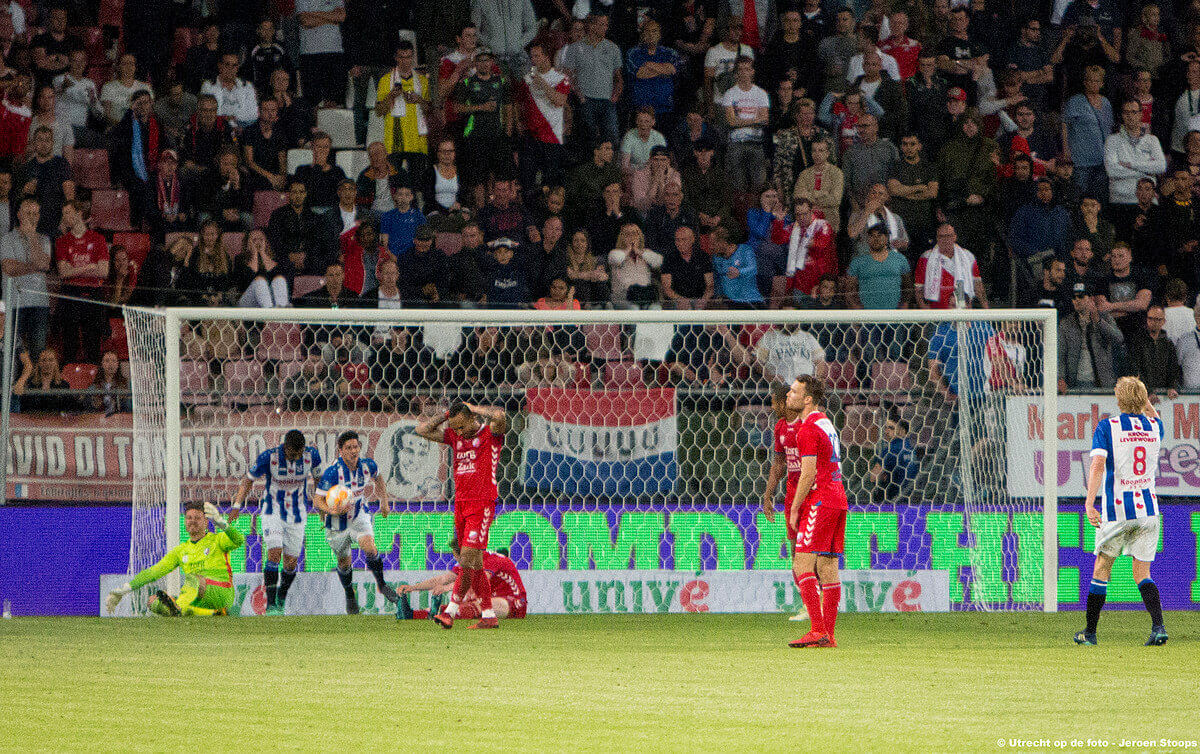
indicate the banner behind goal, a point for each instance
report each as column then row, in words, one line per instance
column 639, row 440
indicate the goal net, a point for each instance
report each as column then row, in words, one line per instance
column 639, row 440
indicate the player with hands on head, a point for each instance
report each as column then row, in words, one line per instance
column 285, row 471
column 204, row 560
column 475, row 435
column 350, row 522
column 1125, row 452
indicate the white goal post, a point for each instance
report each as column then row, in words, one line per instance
column 699, row 379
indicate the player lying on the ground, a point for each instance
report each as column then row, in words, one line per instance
column 285, row 471
column 818, row 513
column 1125, row 451
column 508, row 591
column 786, row 462
column 476, row 448
column 351, row 521
column 204, row 560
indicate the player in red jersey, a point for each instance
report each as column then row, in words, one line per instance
column 508, row 590
column 476, row 448
column 786, row 462
column 818, row 512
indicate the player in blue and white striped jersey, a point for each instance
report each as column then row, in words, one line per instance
column 352, row 522
column 1125, row 450
column 286, row 470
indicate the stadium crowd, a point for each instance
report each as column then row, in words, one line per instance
column 694, row 154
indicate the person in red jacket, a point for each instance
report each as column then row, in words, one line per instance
column 16, row 115
column 82, row 257
column 810, row 248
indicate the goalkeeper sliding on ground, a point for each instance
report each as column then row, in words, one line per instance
column 204, row 560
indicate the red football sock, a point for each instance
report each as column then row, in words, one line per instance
column 831, row 595
column 461, row 584
column 812, row 600
column 482, row 586
column 468, row 610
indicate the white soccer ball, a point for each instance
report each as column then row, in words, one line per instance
column 337, row 498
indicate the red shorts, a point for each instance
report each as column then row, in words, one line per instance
column 822, row 530
column 471, row 524
column 787, row 517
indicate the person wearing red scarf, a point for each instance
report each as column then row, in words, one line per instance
column 135, row 163
column 16, row 116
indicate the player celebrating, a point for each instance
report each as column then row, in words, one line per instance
column 1125, row 452
column 351, row 522
column 286, row 469
column 476, row 447
column 818, row 512
column 204, row 560
column 786, row 461
column 508, row 590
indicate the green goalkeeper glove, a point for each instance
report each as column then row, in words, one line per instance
column 215, row 516
column 114, row 597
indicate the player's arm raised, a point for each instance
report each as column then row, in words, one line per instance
column 808, row 476
column 774, row 476
column 233, row 538
column 431, row 428
column 496, row 417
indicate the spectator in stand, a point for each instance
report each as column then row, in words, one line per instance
column 632, row 267
column 544, row 99
column 236, row 99
column 841, row 112
column 868, row 36
column 895, row 466
column 297, row 117
column 640, row 140
column 607, row 220
column 333, row 295
column 48, row 178
column 484, row 99
column 1080, row 267
column 207, row 278
column 811, row 254
column 322, row 177
column 1029, row 59
column 200, row 63
column 587, row 278
column 45, row 114
column 1087, row 339
column 746, row 108
column 369, row 35
column 706, row 187
column 422, row 272
column 25, row 257
column 443, row 191
column 545, row 259
column 172, row 208
column 136, row 145
column 225, row 195
column 836, row 50
column 880, row 279
column 648, row 184
column 793, row 146
column 1051, row 292
column 174, row 110
column 687, row 273
column 204, row 138
column 52, row 48
column 1179, row 316
column 1030, row 138
column 122, row 277
column 453, row 68
column 1015, row 190
column 1087, row 122
column 959, row 56
column 1179, row 229
column 887, row 93
column 1127, row 292
column 265, row 57
column 322, row 58
column 399, row 224
column 504, row 216
column 903, row 49
column 348, row 213
column 1039, row 231
column 310, row 389
column 46, row 376
column 691, row 129
column 594, row 66
column 1187, row 107
column 967, row 185
column 381, row 176
column 79, row 100
column 362, row 255
column 653, row 70
column 386, row 295
column 507, row 27
column 913, row 185
column 823, row 185
column 945, row 267
column 1153, row 358
column 936, row 103
column 1189, row 160
column 16, row 115
column 110, row 388
column 791, row 56
column 82, row 258
column 295, row 230
column 736, row 271
column 258, row 276
column 1130, row 155
column 1187, row 347
column 505, row 283
column 784, row 351
column 402, row 101
column 587, row 182
column 1090, row 224
column 264, row 149
column 116, row 96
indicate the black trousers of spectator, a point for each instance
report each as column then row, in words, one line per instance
column 324, row 77
column 540, row 158
column 83, row 325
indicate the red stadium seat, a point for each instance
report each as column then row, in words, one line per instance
column 244, row 382
column 89, row 168
column 604, row 342
column 281, row 341
column 583, row 377
column 232, row 242
column 195, row 382
column 266, row 202
column 117, row 341
column 622, row 375
column 137, row 245
column 112, row 13
column 79, row 376
column 843, row 375
column 110, row 210
column 358, row 376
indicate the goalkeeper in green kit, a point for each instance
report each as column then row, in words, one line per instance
column 204, row 560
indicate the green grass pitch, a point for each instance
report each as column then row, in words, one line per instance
column 959, row 682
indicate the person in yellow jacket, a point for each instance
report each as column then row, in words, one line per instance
column 402, row 100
